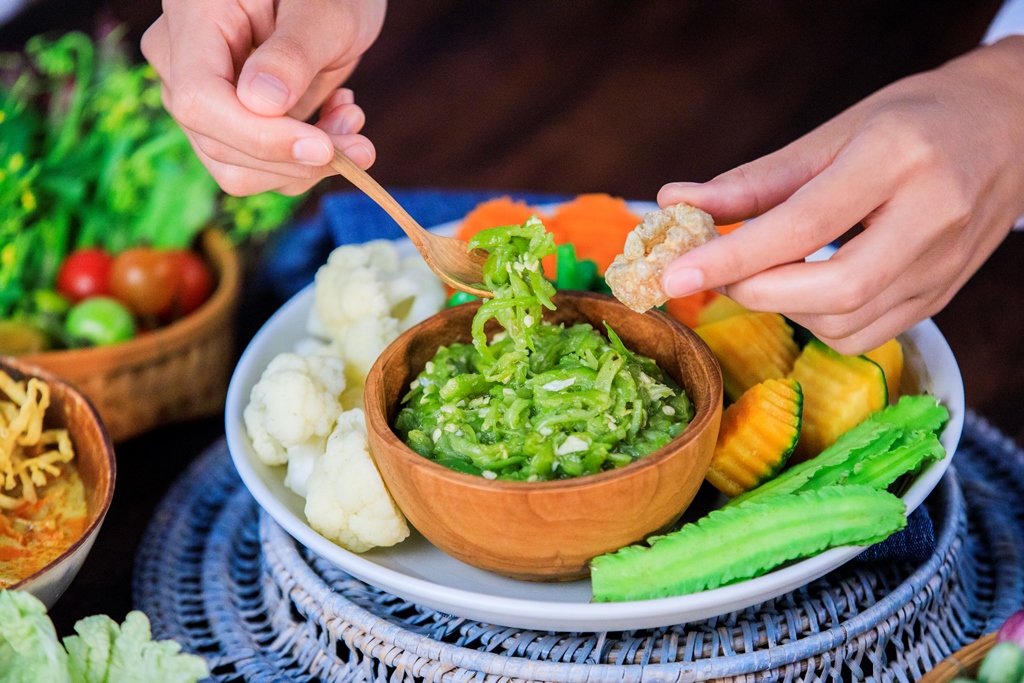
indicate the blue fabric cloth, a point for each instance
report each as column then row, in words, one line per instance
column 351, row 217
column 915, row 543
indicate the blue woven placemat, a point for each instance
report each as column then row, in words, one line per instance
column 229, row 584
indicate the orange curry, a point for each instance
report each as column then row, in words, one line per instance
column 33, row 534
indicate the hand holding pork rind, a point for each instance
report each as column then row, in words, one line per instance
column 663, row 236
column 304, row 412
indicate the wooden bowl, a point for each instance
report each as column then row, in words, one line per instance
column 174, row 373
column 547, row 530
column 94, row 458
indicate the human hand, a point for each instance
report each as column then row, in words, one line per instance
column 231, row 70
column 932, row 166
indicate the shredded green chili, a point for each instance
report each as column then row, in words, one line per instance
column 540, row 401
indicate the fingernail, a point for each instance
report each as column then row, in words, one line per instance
column 359, row 154
column 311, row 151
column 346, row 124
column 271, row 89
column 683, row 282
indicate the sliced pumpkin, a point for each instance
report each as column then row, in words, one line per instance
column 750, row 348
column 758, row 434
column 718, row 308
column 839, row 393
column 889, row 357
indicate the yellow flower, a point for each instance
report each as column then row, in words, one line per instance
column 28, row 200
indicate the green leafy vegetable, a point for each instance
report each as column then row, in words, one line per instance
column 744, row 541
column 29, row 651
column 102, row 652
column 90, row 158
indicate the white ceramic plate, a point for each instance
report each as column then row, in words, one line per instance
column 417, row 571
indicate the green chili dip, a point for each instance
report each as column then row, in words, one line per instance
column 539, row 401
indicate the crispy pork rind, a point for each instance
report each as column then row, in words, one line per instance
column 663, row 236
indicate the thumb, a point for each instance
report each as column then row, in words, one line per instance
column 755, row 187
column 308, row 37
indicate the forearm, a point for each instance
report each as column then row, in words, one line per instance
column 1007, row 29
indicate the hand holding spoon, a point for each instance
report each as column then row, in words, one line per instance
column 448, row 257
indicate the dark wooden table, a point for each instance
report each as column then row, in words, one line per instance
column 617, row 97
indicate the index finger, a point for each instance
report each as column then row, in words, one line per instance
column 201, row 81
column 829, row 204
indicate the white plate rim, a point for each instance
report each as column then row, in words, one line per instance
column 560, row 615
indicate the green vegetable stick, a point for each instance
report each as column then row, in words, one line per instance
column 914, row 413
column 883, row 469
column 870, row 438
column 860, row 437
column 744, row 541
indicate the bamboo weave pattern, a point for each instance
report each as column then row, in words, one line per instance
column 231, row 585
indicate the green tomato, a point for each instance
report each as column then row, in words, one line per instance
column 100, row 321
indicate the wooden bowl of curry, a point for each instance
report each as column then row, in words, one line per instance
column 547, row 530
column 45, row 537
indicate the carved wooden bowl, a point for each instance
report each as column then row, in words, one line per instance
column 547, row 530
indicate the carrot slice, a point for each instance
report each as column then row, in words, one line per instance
column 495, row 212
column 597, row 224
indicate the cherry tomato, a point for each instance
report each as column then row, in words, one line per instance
column 144, row 279
column 85, row 273
column 100, row 321
column 195, row 282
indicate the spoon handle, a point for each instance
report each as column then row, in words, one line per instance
column 361, row 179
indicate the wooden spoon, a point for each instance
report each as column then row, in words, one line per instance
column 448, row 257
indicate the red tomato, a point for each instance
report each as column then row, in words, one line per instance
column 85, row 273
column 144, row 279
column 195, row 282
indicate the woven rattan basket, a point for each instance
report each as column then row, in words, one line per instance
column 175, row 373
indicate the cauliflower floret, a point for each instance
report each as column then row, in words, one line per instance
column 663, row 236
column 301, row 460
column 295, row 402
column 347, row 501
column 365, row 297
column 312, row 346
